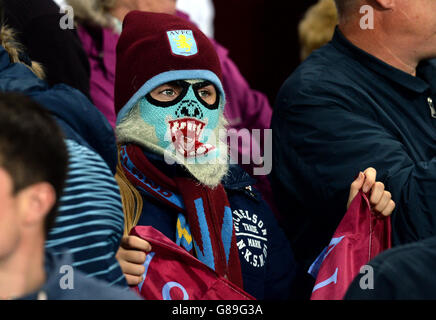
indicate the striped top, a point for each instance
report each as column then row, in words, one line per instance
column 90, row 221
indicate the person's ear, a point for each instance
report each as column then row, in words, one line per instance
column 36, row 201
column 385, row 4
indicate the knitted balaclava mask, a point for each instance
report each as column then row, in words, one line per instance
column 166, row 49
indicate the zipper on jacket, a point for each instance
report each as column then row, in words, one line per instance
column 248, row 190
column 432, row 108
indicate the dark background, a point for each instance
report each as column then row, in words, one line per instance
column 262, row 37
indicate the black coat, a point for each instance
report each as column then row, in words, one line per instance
column 341, row 112
column 402, row 273
column 37, row 23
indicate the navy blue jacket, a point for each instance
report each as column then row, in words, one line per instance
column 79, row 119
column 339, row 113
column 66, row 283
column 90, row 221
column 272, row 280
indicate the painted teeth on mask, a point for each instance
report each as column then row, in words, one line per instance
column 191, row 126
column 186, row 133
column 175, row 127
column 181, row 150
column 201, row 150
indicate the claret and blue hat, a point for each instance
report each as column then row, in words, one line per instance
column 156, row 49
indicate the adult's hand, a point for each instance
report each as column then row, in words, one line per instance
column 380, row 199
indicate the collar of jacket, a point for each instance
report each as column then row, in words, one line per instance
column 418, row 84
column 235, row 179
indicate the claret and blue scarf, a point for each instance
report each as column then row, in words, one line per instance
column 207, row 211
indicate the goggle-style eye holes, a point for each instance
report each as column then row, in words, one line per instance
column 168, row 94
column 173, row 92
column 207, row 93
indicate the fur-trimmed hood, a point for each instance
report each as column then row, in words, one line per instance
column 93, row 12
column 17, row 52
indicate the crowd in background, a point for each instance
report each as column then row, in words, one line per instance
column 90, row 116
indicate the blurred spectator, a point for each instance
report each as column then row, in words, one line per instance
column 317, row 26
column 37, row 27
column 98, row 32
column 365, row 99
column 201, row 12
column 90, row 221
column 33, row 168
column 99, row 28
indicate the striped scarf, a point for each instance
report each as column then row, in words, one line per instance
column 207, row 211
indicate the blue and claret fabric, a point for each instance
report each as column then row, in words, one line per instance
column 339, row 113
column 90, row 221
column 267, row 262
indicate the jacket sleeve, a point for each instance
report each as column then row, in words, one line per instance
column 328, row 145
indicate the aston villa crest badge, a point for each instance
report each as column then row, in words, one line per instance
column 182, row 42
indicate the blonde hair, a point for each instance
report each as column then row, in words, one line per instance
column 130, row 197
column 15, row 49
column 317, row 26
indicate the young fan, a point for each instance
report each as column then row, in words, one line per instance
column 170, row 101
